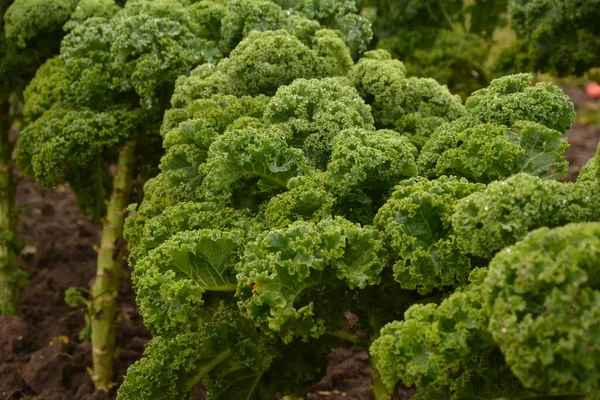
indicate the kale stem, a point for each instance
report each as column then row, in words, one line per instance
column 12, row 278
column 379, row 390
column 104, row 299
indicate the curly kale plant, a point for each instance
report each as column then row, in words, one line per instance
column 464, row 43
column 561, row 37
column 30, row 32
column 297, row 185
column 101, row 102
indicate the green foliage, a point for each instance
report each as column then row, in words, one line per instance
column 485, row 152
column 371, row 160
column 193, row 247
column 280, row 140
column 106, row 94
column 512, row 98
column 297, row 185
column 448, row 40
column 76, row 298
column 228, row 342
column 231, row 357
column 510, row 127
column 26, row 19
column 412, row 106
column 305, row 176
column 340, row 16
column 76, row 136
column 560, row 37
column 242, row 17
column 506, row 210
column 445, row 349
column 89, row 9
column 283, row 270
column 43, row 92
column 31, row 33
column 86, row 104
column 416, row 225
column 537, row 304
column 555, row 345
column 314, row 112
column 63, row 144
column 464, row 43
column 126, row 60
column 590, row 172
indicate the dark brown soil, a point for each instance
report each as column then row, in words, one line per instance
column 348, row 376
column 41, row 357
column 583, row 139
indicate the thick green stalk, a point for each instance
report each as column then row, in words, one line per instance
column 12, row 278
column 109, row 272
column 379, row 390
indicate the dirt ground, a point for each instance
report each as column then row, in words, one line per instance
column 41, row 357
column 583, row 139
